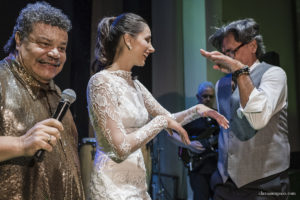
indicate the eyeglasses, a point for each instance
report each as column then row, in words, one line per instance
column 231, row 53
column 207, row 95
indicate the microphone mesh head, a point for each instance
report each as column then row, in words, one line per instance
column 68, row 95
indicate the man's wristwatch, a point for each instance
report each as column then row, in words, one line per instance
column 237, row 73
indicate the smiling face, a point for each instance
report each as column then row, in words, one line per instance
column 43, row 52
column 142, row 47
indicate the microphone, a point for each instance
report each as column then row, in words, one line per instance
column 68, row 96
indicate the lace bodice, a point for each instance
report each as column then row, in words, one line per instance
column 120, row 110
column 125, row 116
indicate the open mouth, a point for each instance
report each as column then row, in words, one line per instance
column 56, row 64
column 145, row 55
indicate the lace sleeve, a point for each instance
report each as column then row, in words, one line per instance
column 104, row 114
column 154, row 108
column 187, row 116
column 151, row 104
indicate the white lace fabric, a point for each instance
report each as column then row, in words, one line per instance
column 124, row 116
column 187, row 116
column 119, row 109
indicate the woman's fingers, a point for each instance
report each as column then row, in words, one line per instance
column 170, row 132
column 222, row 121
column 184, row 137
column 172, row 124
column 205, row 111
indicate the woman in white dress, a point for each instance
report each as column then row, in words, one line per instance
column 124, row 114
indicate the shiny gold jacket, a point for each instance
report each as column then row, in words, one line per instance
column 24, row 102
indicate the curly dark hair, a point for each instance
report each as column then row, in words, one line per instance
column 244, row 31
column 40, row 12
column 110, row 30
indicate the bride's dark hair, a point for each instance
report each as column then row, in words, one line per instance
column 109, row 32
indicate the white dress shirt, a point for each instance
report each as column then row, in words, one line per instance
column 266, row 100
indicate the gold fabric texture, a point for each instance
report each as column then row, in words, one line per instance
column 24, row 102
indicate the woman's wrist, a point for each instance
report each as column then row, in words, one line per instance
column 163, row 120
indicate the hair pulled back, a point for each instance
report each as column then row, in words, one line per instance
column 110, row 30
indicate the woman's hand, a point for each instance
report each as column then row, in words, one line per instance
column 205, row 111
column 172, row 124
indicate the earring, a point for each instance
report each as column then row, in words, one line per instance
column 128, row 46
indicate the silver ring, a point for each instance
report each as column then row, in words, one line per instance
column 49, row 139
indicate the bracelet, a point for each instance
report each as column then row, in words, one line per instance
column 237, row 73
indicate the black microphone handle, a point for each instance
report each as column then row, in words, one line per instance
column 59, row 114
column 61, row 110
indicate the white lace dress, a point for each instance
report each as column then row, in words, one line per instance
column 120, row 110
column 125, row 116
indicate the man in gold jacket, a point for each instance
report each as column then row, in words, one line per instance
column 28, row 99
